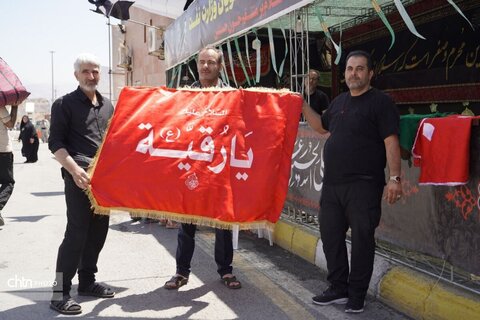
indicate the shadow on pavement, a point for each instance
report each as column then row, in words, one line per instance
column 48, row 194
column 26, row 218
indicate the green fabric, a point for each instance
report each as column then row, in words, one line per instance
column 239, row 53
column 384, row 19
column 409, row 126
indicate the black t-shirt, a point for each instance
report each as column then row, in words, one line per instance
column 319, row 101
column 358, row 126
column 79, row 126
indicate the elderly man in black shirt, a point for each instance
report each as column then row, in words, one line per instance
column 78, row 124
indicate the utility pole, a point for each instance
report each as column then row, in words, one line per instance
column 53, row 79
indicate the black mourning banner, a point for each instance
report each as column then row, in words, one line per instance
column 443, row 68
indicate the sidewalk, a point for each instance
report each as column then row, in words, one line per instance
column 406, row 290
column 137, row 260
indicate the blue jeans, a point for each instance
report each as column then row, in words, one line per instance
column 186, row 246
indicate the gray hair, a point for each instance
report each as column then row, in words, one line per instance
column 85, row 58
column 317, row 73
column 219, row 53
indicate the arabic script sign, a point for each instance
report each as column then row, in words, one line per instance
column 209, row 157
column 443, row 68
column 211, row 21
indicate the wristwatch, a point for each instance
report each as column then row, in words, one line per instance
column 395, row 179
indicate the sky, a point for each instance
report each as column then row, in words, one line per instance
column 30, row 29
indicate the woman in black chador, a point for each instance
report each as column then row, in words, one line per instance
column 29, row 138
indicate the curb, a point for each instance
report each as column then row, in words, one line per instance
column 410, row 292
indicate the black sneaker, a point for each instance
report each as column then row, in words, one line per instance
column 354, row 306
column 1, row 220
column 331, row 296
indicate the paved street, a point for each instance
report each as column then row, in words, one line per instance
column 138, row 258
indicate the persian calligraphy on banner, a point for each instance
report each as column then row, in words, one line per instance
column 443, row 68
column 217, row 157
column 306, row 177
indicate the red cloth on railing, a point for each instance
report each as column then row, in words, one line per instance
column 442, row 150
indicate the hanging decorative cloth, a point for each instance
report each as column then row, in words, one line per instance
column 442, row 150
column 406, row 19
column 384, row 19
column 216, row 157
column 338, row 48
column 460, row 13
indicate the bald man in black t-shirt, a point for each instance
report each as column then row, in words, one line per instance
column 318, row 99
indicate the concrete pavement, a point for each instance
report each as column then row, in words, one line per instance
column 138, row 258
column 406, row 290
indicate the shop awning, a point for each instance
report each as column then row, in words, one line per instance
column 208, row 22
column 165, row 8
column 211, row 22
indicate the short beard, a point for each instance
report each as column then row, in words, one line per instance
column 355, row 85
column 89, row 88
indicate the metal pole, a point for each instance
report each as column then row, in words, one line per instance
column 109, row 61
column 290, row 36
column 53, row 79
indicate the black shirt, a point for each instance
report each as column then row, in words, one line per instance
column 319, row 101
column 79, row 126
column 358, row 126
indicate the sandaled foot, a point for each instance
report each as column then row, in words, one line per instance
column 172, row 225
column 175, row 282
column 96, row 290
column 231, row 282
column 66, row 306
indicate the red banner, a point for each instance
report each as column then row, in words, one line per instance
column 250, row 68
column 210, row 157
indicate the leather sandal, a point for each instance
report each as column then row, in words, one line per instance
column 66, row 306
column 175, row 282
column 231, row 282
column 97, row 290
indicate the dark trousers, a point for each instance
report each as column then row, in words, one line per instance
column 6, row 177
column 186, row 246
column 356, row 205
column 84, row 238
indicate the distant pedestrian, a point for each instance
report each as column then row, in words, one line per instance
column 6, row 156
column 44, row 129
column 29, row 138
column 364, row 126
column 78, row 123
